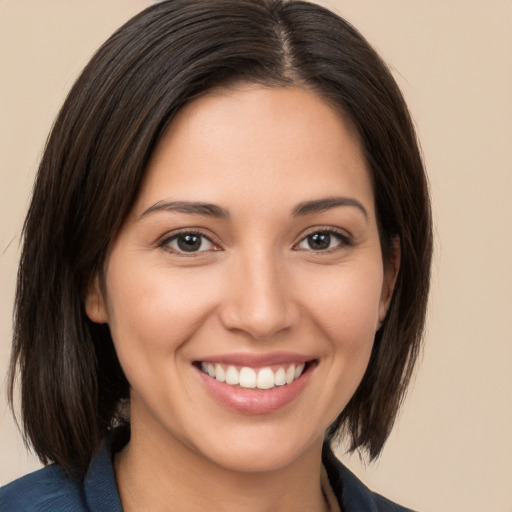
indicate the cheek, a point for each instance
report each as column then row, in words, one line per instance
column 343, row 310
column 155, row 311
column 345, row 304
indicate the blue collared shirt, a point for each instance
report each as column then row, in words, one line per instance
column 51, row 490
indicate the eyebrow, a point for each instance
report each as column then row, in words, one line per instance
column 322, row 205
column 205, row 209
column 215, row 211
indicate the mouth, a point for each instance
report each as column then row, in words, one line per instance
column 256, row 384
column 264, row 378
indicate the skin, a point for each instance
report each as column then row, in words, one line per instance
column 255, row 287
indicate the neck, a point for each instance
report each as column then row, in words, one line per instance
column 159, row 473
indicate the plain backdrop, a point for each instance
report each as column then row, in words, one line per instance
column 451, row 448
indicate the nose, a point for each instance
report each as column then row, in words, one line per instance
column 259, row 298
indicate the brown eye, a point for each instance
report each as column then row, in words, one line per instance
column 319, row 241
column 189, row 243
column 323, row 241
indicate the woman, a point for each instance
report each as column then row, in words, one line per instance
column 225, row 267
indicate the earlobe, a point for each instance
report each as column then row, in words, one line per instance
column 95, row 302
column 391, row 269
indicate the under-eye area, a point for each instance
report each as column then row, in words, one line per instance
column 267, row 377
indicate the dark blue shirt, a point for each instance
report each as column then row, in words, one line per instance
column 51, row 490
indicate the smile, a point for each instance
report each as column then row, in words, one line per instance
column 266, row 378
column 256, row 384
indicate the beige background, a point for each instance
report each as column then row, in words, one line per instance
column 452, row 447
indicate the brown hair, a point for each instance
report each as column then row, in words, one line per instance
column 70, row 379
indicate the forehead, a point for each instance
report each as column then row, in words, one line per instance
column 257, row 144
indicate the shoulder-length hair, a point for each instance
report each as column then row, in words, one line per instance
column 70, row 379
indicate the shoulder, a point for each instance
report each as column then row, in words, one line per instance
column 352, row 494
column 51, row 490
column 48, row 489
column 359, row 497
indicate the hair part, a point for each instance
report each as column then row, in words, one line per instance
column 72, row 386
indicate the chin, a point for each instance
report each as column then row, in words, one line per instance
column 257, row 450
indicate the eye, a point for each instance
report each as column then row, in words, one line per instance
column 323, row 241
column 188, row 242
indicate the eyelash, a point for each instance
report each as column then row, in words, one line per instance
column 165, row 243
column 344, row 241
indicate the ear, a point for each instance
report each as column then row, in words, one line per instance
column 95, row 307
column 391, row 268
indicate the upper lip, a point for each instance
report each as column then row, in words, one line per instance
column 257, row 360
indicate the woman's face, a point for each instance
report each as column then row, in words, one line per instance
column 252, row 255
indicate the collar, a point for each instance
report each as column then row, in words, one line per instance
column 100, row 487
column 342, row 488
column 351, row 493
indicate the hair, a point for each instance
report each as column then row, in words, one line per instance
column 70, row 379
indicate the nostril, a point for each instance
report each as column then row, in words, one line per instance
column 260, row 323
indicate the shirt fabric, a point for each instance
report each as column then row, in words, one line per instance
column 51, row 490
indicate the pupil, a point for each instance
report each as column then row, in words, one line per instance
column 189, row 243
column 320, row 241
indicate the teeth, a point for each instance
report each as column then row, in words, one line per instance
column 290, row 374
column 219, row 373
column 246, row 377
column 266, row 379
column 280, row 377
column 232, row 376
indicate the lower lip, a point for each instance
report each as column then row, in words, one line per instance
column 256, row 401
